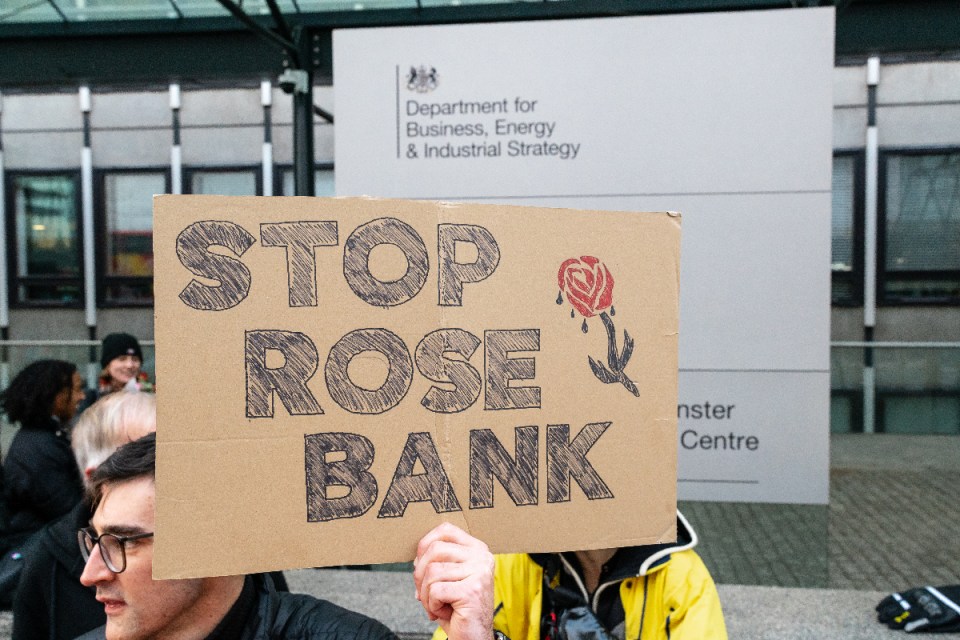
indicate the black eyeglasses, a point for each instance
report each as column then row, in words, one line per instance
column 112, row 547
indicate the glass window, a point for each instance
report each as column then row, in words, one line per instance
column 845, row 410
column 128, row 249
column 921, row 260
column 47, row 238
column 920, row 414
column 847, row 281
column 842, row 228
column 322, row 183
column 224, row 182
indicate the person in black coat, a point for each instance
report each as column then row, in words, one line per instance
column 50, row 603
column 41, row 479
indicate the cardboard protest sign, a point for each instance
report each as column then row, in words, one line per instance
column 340, row 375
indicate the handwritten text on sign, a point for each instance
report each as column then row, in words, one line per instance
column 303, row 304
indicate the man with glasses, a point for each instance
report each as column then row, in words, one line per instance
column 453, row 576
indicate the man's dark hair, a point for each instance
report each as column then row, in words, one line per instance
column 29, row 398
column 133, row 460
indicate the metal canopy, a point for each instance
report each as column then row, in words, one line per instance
column 47, row 43
column 76, row 11
column 51, row 43
column 72, row 11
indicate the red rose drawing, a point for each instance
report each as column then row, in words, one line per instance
column 587, row 284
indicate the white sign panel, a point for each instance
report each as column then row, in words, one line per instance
column 725, row 117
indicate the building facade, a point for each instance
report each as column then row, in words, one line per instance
column 79, row 162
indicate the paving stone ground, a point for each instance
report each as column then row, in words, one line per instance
column 892, row 522
column 894, row 530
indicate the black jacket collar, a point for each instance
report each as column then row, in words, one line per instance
column 627, row 562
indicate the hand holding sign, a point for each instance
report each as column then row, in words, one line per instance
column 454, row 578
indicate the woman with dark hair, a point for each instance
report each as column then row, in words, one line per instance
column 41, row 479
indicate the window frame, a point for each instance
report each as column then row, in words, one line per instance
column 190, row 171
column 856, row 274
column 14, row 279
column 100, row 237
column 885, row 397
column 281, row 169
column 855, row 398
column 883, row 299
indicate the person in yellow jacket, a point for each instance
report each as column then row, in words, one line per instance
column 651, row 592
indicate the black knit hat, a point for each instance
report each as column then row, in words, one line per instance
column 119, row 344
